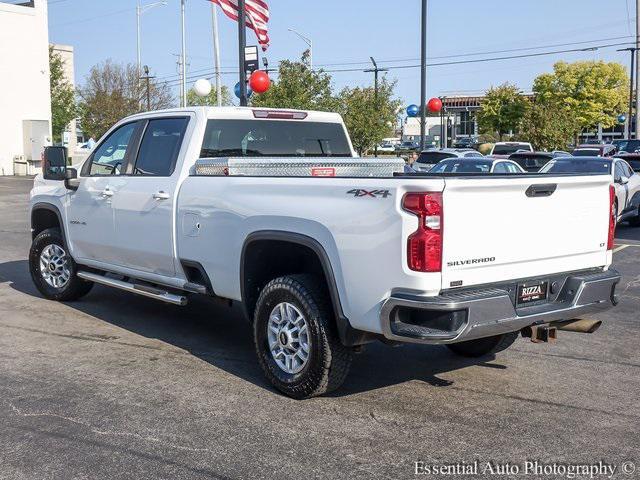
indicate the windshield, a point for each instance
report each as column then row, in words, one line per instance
column 569, row 165
column 433, row 157
column 629, row 146
column 509, row 149
column 274, row 138
column 462, row 166
column 529, row 161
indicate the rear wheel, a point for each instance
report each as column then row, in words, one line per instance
column 635, row 221
column 484, row 346
column 296, row 339
column 53, row 271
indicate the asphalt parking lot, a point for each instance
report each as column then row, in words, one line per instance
column 120, row 386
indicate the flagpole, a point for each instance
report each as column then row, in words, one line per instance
column 242, row 42
column 216, row 52
column 184, row 54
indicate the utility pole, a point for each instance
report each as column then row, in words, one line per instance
column 148, row 78
column 423, row 75
column 308, row 41
column 375, row 71
column 242, row 43
column 632, row 50
column 216, row 52
column 637, row 69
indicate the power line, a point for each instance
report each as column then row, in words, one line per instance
column 205, row 71
column 437, row 64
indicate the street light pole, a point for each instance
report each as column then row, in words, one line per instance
column 423, row 75
column 140, row 9
column 184, row 53
column 309, row 42
column 375, row 71
column 637, row 69
column 632, row 50
column 216, row 52
column 242, row 43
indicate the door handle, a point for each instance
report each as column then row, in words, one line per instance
column 107, row 193
column 161, row 195
column 542, row 190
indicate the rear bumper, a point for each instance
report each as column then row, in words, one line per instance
column 466, row 315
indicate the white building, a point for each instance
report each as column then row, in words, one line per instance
column 70, row 137
column 25, row 99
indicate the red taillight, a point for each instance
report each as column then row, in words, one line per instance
column 612, row 217
column 424, row 246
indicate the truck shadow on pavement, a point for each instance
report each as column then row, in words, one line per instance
column 221, row 336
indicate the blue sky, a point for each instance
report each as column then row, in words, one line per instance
column 349, row 31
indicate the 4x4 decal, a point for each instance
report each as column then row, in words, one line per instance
column 358, row 192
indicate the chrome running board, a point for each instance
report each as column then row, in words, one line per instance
column 144, row 290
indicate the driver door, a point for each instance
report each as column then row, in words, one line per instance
column 91, row 228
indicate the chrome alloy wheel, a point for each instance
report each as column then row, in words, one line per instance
column 54, row 266
column 288, row 338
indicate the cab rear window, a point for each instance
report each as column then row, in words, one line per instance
column 274, row 138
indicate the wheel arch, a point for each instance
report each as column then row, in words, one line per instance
column 307, row 255
column 44, row 216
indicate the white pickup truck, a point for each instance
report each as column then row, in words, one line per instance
column 325, row 251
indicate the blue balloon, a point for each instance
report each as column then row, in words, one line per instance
column 236, row 89
column 413, row 110
column 622, row 118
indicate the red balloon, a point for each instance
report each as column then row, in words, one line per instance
column 434, row 104
column 259, row 81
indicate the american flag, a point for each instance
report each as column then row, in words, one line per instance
column 257, row 17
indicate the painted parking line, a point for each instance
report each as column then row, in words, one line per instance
column 622, row 247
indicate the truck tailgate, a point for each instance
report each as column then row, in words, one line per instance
column 498, row 229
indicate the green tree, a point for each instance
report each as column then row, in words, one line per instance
column 547, row 127
column 368, row 119
column 298, row 87
column 501, row 110
column 63, row 101
column 113, row 91
column 211, row 100
column 592, row 92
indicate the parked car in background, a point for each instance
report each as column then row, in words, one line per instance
column 625, row 181
column 386, row 147
column 465, row 142
column 627, row 146
column 633, row 159
column 477, row 165
column 592, row 150
column 505, row 149
column 429, row 158
column 534, row 161
column 407, row 147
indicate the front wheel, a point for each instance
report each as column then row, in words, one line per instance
column 484, row 346
column 53, row 271
column 296, row 339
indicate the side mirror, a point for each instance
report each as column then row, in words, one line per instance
column 623, row 180
column 54, row 163
column 71, row 180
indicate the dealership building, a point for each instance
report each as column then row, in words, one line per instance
column 25, row 100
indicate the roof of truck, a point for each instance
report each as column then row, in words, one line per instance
column 246, row 113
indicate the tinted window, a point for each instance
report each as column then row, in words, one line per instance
column 160, row 147
column 629, row 146
column 509, row 149
column 587, row 152
column 273, row 138
column 433, row 157
column 109, row 156
column 619, row 172
column 512, row 168
column 577, row 166
column 627, row 169
column 462, row 166
column 530, row 161
column 500, row 168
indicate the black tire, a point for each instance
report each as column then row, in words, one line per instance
column 484, row 346
column 75, row 287
column 635, row 221
column 328, row 360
